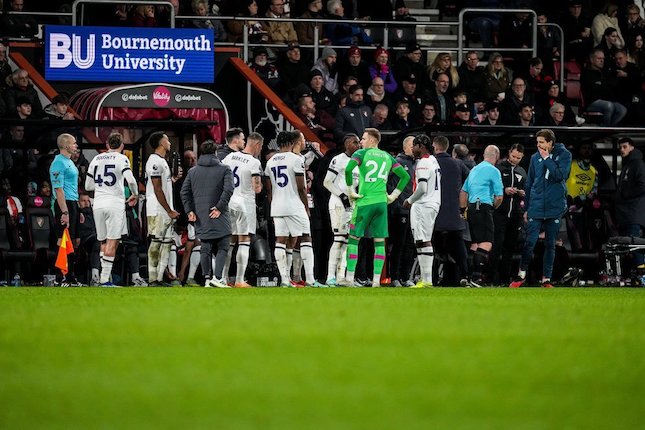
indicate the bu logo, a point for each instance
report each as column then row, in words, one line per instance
column 64, row 50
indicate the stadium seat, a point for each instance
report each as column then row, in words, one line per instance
column 41, row 227
column 10, row 258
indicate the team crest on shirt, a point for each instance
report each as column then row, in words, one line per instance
column 55, row 174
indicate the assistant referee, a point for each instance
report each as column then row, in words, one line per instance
column 63, row 174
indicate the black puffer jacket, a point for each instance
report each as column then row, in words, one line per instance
column 630, row 196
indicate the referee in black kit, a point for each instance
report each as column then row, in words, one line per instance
column 481, row 194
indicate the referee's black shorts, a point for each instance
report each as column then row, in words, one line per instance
column 482, row 225
column 74, row 219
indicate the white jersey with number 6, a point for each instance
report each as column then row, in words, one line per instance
column 244, row 168
column 108, row 171
column 282, row 169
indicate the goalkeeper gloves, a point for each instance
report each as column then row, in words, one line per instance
column 353, row 194
column 345, row 200
column 393, row 196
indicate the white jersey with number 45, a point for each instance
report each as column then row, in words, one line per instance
column 282, row 169
column 244, row 168
column 108, row 170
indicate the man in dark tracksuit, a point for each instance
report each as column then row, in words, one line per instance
column 449, row 227
column 545, row 202
column 508, row 217
column 402, row 253
column 205, row 194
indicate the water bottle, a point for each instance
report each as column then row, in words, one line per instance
column 16, row 280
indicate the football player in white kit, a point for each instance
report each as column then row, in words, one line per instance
column 159, row 207
column 424, row 204
column 105, row 176
column 340, row 208
column 247, row 181
column 286, row 189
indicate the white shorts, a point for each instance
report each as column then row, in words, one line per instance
column 292, row 225
column 340, row 218
column 160, row 227
column 110, row 223
column 422, row 220
column 243, row 222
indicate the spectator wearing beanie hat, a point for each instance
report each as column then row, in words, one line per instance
column 326, row 64
column 353, row 64
column 382, row 69
column 552, row 96
column 410, row 64
column 324, row 99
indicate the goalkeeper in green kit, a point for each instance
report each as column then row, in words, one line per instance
column 370, row 212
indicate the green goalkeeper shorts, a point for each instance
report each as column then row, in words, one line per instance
column 369, row 221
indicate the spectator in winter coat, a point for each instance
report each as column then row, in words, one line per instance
column 326, row 64
column 630, row 195
column 382, row 69
column 353, row 118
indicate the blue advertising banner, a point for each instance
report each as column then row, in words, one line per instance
column 117, row 54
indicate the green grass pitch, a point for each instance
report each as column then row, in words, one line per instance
column 200, row 358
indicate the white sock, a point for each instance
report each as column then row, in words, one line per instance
column 194, row 261
column 172, row 260
column 522, row 274
column 426, row 258
column 164, row 256
column 376, row 279
column 153, row 259
column 342, row 267
column 96, row 272
column 135, row 275
column 349, row 277
column 297, row 265
column 289, row 262
column 307, row 251
column 280, row 254
column 242, row 260
column 334, row 257
column 227, row 264
column 106, row 268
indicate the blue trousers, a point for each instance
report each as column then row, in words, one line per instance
column 551, row 228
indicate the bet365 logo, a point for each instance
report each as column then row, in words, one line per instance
column 65, row 50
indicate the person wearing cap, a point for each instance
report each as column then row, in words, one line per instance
column 408, row 93
column 305, row 30
column 354, row 117
column 324, row 99
column 382, row 69
column 326, row 64
column 462, row 115
column 265, row 70
column 410, row 64
column 293, row 70
column 340, row 208
column 279, row 31
column 578, row 40
column 341, row 33
column 553, row 96
column 353, row 65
